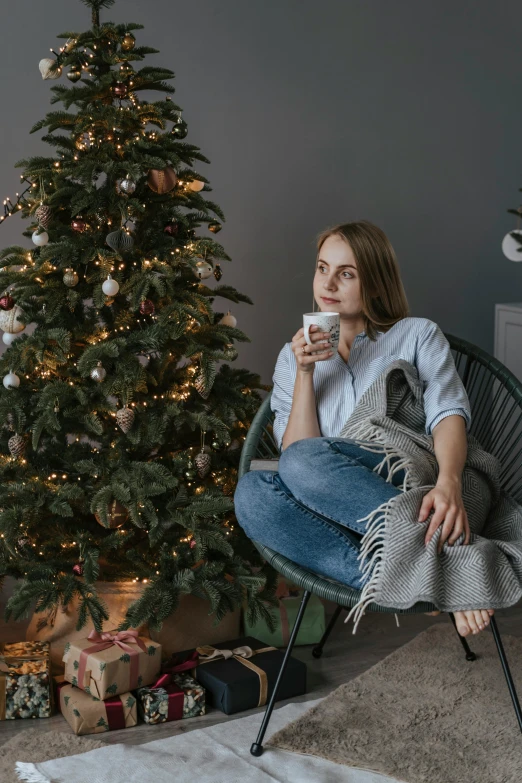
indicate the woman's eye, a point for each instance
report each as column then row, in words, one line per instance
column 345, row 272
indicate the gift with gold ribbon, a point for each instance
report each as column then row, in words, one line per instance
column 112, row 662
column 289, row 597
column 25, row 681
column 87, row 715
column 242, row 673
column 173, row 696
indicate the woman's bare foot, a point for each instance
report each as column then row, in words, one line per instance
column 472, row 621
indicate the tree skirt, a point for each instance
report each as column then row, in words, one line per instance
column 424, row 714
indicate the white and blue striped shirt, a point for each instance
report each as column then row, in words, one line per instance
column 339, row 385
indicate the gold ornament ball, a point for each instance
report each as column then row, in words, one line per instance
column 215, row 226
column 196, row 185
column 117, row 515
column 203, row 270
column 70, row 278
column 128, row 43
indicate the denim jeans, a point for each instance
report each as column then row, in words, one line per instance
column 308, row 509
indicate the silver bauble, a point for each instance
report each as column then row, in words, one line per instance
column 127, row 185
column 8, row 338
column 70, row 278
column 9, row 320
column 110, row 287
column 45, row 66
column 203, row 269
column 228, row 319
column 11, row 380
column 125, row 419
column 120, row 241
column 16, row 445
column 203, row 462
column 98, row 373
column 40, row 238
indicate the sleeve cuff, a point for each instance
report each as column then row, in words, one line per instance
column 450, row 412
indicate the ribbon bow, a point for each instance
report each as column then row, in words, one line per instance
column 209, row 653
column 126, row 640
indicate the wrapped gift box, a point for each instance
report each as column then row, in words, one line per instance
column 87, row 715
column 241, row 673
column 112, row 662
column 25, row 681
column 172, row 697
column 312, row 625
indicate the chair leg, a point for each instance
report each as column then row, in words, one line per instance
column 318, row 650
column 505, row 666
column 470, row 656
column 256, row 748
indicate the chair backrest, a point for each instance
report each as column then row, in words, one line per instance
column 495, row 396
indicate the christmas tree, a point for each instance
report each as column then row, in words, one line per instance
column 109, row 392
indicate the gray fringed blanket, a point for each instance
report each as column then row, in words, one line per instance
column 401, row 570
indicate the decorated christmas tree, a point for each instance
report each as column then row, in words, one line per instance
column 110, row 377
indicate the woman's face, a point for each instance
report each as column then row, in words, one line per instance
column 336, row 277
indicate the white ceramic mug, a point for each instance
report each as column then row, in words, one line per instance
column 327, row 322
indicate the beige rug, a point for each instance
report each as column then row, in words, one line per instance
column 423, row 714
column 36, row 745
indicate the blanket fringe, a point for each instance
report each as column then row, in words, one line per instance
column 29, row 773
column 403, row 462
column 372, row 540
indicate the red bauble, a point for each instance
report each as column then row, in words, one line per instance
column 7, row 302
column 171, row 229
column 192, row 543
column 120, row 89
column 78, row 569
column 147, row 307
column 78, row 224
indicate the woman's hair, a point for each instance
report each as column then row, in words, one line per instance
column 383, row 297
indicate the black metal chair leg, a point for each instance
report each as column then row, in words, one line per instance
column 505, row 666
column 256, row 748
column 318, row 650
column 470, row 656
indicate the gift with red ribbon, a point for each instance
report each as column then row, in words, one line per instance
column 173, row 696
column 111, row 662
column 87, row 715
column 289, row 597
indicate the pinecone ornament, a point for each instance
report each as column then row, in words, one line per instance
column 43, row 215
column 202, row 461
column 199, row 383
column 16, row 445
column 125, row 418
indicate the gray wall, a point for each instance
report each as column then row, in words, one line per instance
column 313, row 113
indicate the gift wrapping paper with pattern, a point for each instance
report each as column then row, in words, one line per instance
column 180, row 697
column 25, row 681
column 121, row 665
column 87, row 715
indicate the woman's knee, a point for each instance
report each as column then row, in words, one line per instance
column 250, row 497
column 305, row 459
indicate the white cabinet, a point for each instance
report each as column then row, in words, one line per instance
column 508, row 336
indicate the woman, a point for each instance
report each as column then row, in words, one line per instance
column 310, row 510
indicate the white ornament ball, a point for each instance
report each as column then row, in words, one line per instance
column 203, row 269
column 45, row 65
column 110, row 287
column 510, row 246
column 11, row 379
column 40, row 239
column 8, row 338
column 9, row 320
column 228, row 319
column 196, row 185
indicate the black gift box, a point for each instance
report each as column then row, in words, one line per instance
column 231, row 686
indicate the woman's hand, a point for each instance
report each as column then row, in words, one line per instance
column 446, row 498
column 305, row 361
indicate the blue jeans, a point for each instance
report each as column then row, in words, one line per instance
column 308, row 509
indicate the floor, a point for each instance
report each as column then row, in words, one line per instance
column 345, row 656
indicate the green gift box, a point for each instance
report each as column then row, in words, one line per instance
column 312, row 625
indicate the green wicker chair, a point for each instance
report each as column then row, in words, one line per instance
column 495, row 396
